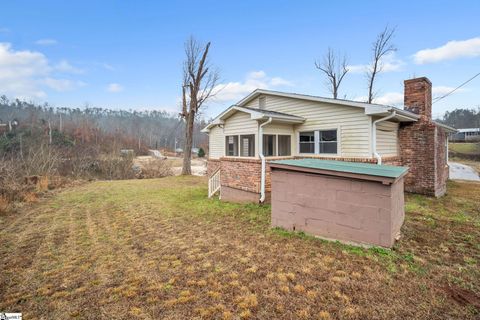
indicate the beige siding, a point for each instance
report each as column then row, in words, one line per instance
column 253, row 103
column 283, row 129
column 353, row 125
column 238, row 124
column 216, row 143
column 387, row 138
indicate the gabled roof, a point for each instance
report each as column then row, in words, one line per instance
column 255, row 114
column 370, row 108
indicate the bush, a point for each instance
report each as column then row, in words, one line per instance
column 201, row 153
column 154, row 169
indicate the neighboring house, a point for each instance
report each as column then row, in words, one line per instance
column 465, row 135
column 268, row 125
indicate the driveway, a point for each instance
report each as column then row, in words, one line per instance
column 460, row 171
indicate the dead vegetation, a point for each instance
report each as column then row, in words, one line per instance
column 159, row 249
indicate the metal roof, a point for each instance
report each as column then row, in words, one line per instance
column 343, row 166
column 469, row 130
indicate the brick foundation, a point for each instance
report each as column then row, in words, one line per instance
column 212, row 166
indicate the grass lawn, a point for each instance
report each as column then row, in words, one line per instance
column 466, row 148
column 159, row 249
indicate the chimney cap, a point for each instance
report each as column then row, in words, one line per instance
column 419, row 79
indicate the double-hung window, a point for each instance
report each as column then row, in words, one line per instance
column 327, row 141
column 307, row 142
column 319, row 142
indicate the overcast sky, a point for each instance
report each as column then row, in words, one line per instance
column 128, row 54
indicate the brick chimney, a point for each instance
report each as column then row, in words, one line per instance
column 422, row 143
column 418, row 97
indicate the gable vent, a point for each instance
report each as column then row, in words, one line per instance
column 261, row 102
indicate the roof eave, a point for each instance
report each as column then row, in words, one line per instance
column 445, row 127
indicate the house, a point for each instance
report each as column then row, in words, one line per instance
column 268, row 125
column 466, row 135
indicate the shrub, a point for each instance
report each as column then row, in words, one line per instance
column 154, row 169
column 201, row 153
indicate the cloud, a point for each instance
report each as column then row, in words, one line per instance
column 396, row 98
column 114, row 87
column 450, row 50
column 441, row 90
column 65, row 66
column 389, row 63
column 46, row 42
column 63, row 84
column 27, row 74
column 4, row 30
column 107, row 66
column 254, row 80
column 389, row 99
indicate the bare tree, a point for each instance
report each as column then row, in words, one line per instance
column 199, row 80
column 334, row 69
column 380, row 48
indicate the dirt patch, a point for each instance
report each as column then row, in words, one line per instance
column 463, row 296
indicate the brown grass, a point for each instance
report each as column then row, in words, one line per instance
column 159, row 249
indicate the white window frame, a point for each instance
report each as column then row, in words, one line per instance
column 239, row 145
column 276, row 144
column 317, row 142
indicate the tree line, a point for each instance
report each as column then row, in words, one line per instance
column 126, row 129
column 462, row 118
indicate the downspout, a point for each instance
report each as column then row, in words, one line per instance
column 374, row 135
column 260, row 152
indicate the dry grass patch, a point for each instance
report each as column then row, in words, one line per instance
column 159, row 249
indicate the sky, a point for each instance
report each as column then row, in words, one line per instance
column 128, row 54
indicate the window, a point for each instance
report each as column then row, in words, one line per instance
column 319, row 142
column 247, row 145
column 327, row 141
column 231, row 146
column 307, row 142
column 269, row 145
column 284, row 143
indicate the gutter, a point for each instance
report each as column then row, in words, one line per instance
column 374, row 135
column 260, row 152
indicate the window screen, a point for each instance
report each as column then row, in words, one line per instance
column 231, row 146
column 284, row 144
column 247, row 145
column 269, row 145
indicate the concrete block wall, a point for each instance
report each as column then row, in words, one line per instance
column 337, row 208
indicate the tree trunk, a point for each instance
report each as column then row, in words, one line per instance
column 187, row 148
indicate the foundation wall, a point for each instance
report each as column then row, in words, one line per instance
column 349, row 210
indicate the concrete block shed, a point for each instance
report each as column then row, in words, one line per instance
column 352, row 202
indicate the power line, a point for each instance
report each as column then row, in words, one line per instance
column 449, row 93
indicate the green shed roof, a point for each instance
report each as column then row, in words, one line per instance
column 343, row 166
